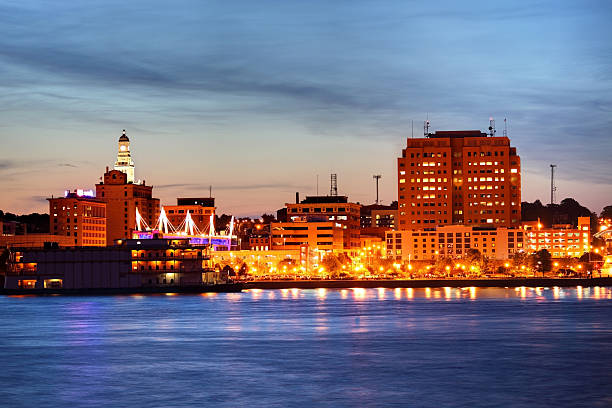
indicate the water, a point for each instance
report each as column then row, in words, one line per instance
column 303, row 348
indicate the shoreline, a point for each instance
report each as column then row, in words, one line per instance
column 197, row 289
column 317, row 284
column 429, row 283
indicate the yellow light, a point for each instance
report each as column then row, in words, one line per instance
column 506, row 264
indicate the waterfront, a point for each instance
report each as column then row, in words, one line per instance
column 352, row 347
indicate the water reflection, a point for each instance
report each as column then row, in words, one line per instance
column 357, row 347
column 398, row 293
column 321, row 293
column 446, row 293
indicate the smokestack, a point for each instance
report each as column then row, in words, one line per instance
column 297, row 197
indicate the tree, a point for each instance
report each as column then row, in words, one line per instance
column 606, row 213
column 566, row 212
column 443, row 265
column 598, row 242
column 478, row 262
column 519, row 259
column 542, row 261
column 268, row 218
column 589, row 260
column 4, row 253
column 332, row 265
column 222, row 221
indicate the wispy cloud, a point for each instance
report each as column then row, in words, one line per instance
column 241, row 187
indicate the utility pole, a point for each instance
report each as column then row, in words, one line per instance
column 376, row 177
column 552, row 183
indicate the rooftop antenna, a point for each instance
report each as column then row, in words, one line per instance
column 505, row 127
column 377, row 177
column 333, row 190
column 553, row 188
column 317, row 184
column 210, row 191
column 492, row 126
column 412, row 124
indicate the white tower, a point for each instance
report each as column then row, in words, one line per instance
column 124, row 161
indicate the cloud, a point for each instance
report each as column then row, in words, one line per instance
column 242, row 187
column 6, row 164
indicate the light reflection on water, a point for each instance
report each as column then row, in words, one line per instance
column 425, row 347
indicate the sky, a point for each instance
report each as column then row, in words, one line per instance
column 261, row 98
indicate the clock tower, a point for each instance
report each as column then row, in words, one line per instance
column 124, row 161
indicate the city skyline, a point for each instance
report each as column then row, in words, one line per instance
column 220, row 99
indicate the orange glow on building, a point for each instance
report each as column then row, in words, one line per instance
column 82, row 218
column 122, row 199
column 335, row 209
column 200, row 209
column 459, row 177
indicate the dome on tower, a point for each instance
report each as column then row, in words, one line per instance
column 123, row 137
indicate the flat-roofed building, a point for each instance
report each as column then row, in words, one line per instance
column 560, row 240
column 459, row 177
column 496, row 243
column 319, row 235
column 200, row 209
column 80, row 216
column 36, row 240
column 336, row 209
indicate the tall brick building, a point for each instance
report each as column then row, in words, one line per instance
column 122, row 199
column 458, row 177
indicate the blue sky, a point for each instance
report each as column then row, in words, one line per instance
column 258, row 98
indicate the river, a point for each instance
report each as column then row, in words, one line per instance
column 470, row 347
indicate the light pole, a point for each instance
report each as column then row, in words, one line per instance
column 377, row 177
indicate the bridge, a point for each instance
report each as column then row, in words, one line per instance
column 163, row 228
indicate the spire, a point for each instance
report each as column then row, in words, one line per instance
column 124, row 137
column 124, row 161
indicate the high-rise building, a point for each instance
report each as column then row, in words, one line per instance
column 79, row 215
column 122, row 199
column 124, row 161
column 459, row 177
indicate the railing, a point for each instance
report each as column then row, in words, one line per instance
column 166, row 270
column 168, row 257
column 17, row 272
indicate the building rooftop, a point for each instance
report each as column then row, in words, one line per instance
column 457, row 133
column 324, row 200
column 201, row 201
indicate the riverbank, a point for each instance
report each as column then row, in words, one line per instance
column 228, row 287
column 428, row 283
